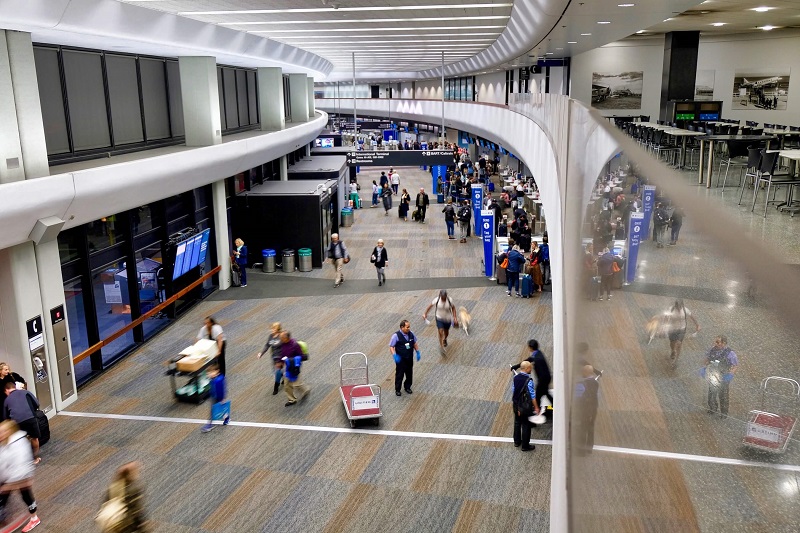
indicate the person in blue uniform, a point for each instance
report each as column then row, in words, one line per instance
column 402, row 347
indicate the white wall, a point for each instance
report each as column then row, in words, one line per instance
column 429, row 90
column 407, row 90
column 491, row 87
column 640, row 55
column 763, row 52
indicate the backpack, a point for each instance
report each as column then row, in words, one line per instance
column 545, row 251
column 524, row 403
column 661, row 217
column 463, row 214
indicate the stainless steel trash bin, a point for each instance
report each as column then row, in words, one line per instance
column 347, row 217
column 288, row 260
column 304, row 260
column 268, row 257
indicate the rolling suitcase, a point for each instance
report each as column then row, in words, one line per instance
column 501, row 276
column 236, row 277
column 44, row 427
column 526, row 286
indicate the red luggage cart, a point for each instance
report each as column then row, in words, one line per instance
column 362, row 399
column 768, row 431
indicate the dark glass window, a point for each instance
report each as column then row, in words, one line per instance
column 252, row 97
column 52, row 100
column 86, row 97
column 123, row 91
column 241, row 97
column 113, row 310
column 154, row 96
column 175, row 99
column 76, row 321
column 69, row 244
column 104, row 233
column 231, row 108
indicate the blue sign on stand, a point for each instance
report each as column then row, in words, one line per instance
column 636, row 232
column 648, row 201
column 477, row 205
column 439, row 171
column 487, row 235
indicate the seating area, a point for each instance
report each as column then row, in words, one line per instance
column 765, row 154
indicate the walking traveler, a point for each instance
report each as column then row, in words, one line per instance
column 402, row 346
column 379, row 258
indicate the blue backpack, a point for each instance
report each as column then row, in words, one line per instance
column 545, row 251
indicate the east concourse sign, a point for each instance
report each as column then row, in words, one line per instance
column 399, row 158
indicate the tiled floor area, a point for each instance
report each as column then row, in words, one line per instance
column 259, row 477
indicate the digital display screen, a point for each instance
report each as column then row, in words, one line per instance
column 324, row 142
column 709, row 107
column 617, row 251
column 684, row 116
column 684, row 107
column 709, row 116
column 191, row 253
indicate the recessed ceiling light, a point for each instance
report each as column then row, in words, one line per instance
column 762, row 9
column 559, row 48
column 604, row 22
column 718, row 24
column 625, row 5
column 585, row 34
column 641, row 31
column 572, row 42
column 767, row 28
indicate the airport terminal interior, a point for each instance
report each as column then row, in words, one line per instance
column 143, row 138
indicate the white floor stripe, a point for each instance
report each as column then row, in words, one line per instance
column 444, row 436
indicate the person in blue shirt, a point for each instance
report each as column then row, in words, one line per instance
column 402, row 347
column 240, row 256
column 522, row 426
column 516, row 261
column 720, row 366
column 218, row 394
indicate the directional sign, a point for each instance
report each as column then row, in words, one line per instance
column 399, row 158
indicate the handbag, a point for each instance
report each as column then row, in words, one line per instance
column 615, row 267
column 504, row 264
column 221, row 410
column 111, row 515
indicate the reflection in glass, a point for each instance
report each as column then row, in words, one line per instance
column 112, row 303
column 103, row 233
column 76, row 320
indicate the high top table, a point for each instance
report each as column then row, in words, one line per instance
column 711, row 139
column 675, row 132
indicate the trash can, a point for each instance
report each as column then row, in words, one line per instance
column 304, row 260
column 268, row 263
column 347, row 217
column 288, row 260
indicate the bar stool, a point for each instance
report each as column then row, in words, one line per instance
column 737, row 150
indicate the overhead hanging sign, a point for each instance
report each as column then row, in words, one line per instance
column 400, row 158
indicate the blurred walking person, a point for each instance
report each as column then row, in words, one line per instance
column 16, row 468
column 124, row 503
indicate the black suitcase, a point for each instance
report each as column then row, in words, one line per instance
column 236, row 277
column 44, row 427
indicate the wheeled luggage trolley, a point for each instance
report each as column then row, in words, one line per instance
column 362, row 399
column 771, row 432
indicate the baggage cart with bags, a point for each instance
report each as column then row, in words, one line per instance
column 362, row 399
column 771, row 430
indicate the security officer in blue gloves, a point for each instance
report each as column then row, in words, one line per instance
column 403, row 345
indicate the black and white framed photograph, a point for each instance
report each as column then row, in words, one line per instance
column 621, row 90
column 759, row 90
column 704, row 85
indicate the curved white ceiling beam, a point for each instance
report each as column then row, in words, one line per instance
column 530, row 22
column 115, row 26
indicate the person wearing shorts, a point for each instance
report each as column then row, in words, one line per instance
column 445, row 315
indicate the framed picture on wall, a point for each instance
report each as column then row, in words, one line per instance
column 704, row 85
column 759, row 90
column 621, row 90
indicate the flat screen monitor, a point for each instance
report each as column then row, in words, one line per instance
column 190, row 253
column 324, row 142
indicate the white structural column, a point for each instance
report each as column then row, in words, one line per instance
column 200, row 96
column 310, row 82
column 298, row 97
column 284, row 171
column 270, row 99
column 30, row 274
